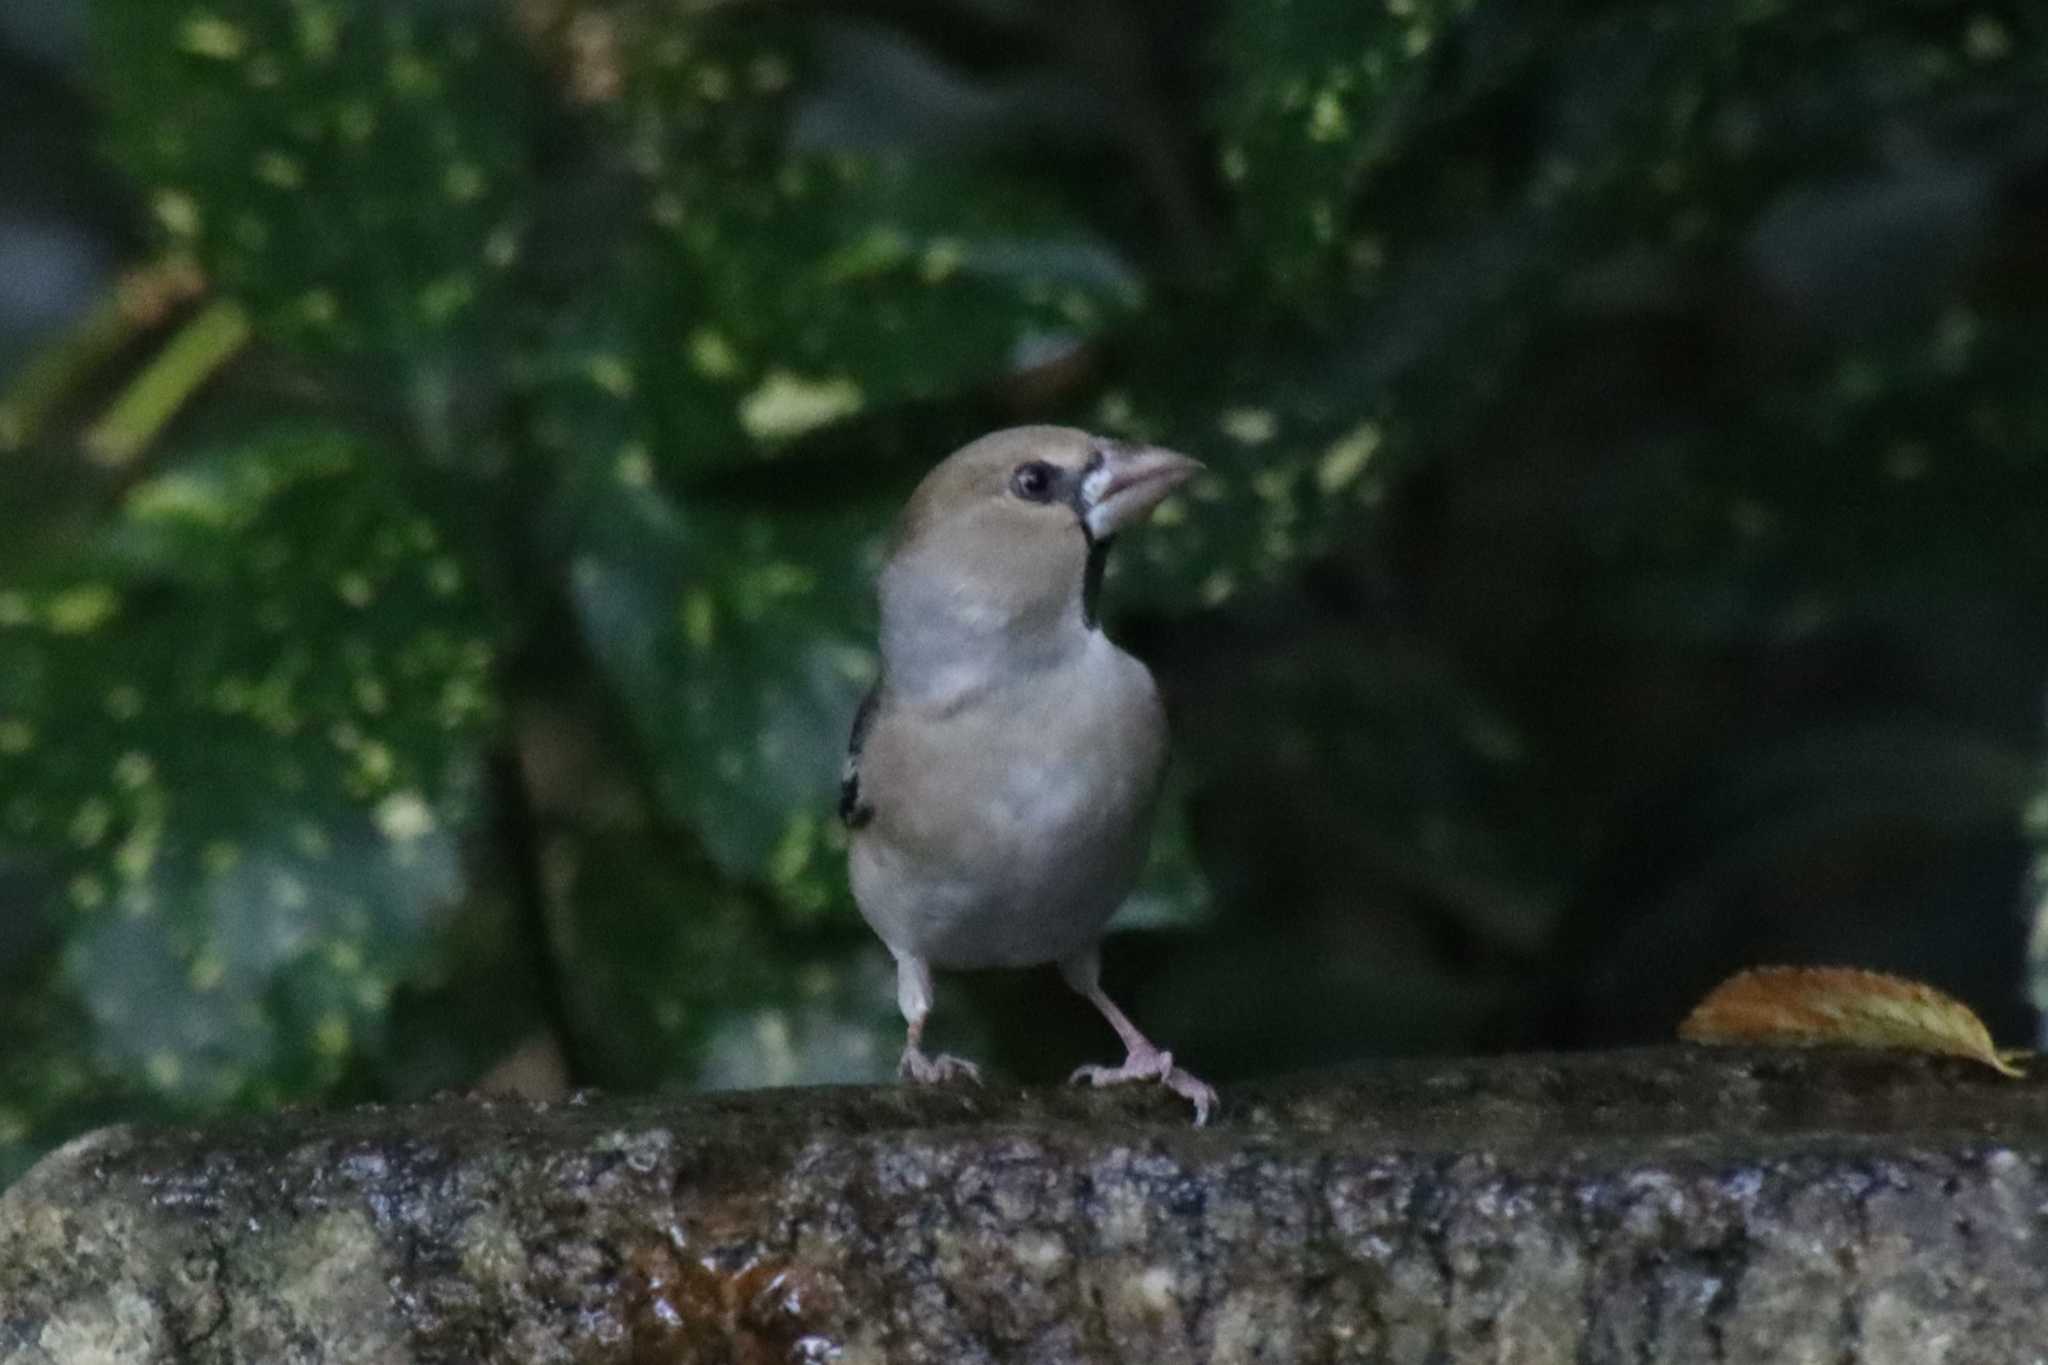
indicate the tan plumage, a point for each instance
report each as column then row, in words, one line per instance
column 1002, row 779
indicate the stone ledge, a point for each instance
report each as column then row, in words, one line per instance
column 1671, row 1205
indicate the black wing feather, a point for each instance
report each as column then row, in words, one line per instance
column 854, row 812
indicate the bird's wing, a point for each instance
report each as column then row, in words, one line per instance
column 852, row 810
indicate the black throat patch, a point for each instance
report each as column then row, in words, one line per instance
column 1098, row 550
column 1091, row 578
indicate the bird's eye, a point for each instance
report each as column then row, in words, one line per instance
column 1034, row 482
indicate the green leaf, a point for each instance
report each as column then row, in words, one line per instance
column 2034, row 823
column 1300, row 449
column 672, row 975
column 1424, row 789
column 776, row 285
column 240, row 743
column 1312, row 97
column 1172, row 892
column 481, row 993
column 356, row 173
column 50, row 1084
column 740, row 637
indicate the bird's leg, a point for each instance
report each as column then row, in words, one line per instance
column 1142, row 1061
column 914, row 998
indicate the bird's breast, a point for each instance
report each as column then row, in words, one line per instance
column 1008, row 831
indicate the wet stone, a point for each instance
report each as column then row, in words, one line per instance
column 1667, row 1205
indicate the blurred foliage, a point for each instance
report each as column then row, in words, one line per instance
column 1621, row 559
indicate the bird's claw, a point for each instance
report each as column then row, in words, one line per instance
column 1139, row 1066
column 1194, row 1090
column 1153, row 1065
column 938, row 1070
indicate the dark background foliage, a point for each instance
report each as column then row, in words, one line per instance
column 447, row 443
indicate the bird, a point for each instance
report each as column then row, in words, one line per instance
column 1003, row 771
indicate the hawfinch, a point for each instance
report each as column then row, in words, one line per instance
column 1002, row 775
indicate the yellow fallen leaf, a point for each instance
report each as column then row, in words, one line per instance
column 1811, row 1006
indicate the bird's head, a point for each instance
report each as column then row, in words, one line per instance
column 1011, row 526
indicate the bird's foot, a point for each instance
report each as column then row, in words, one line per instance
column 938, row 1070
column 1150, row 1064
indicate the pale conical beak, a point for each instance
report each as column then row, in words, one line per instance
column 1130, row 482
